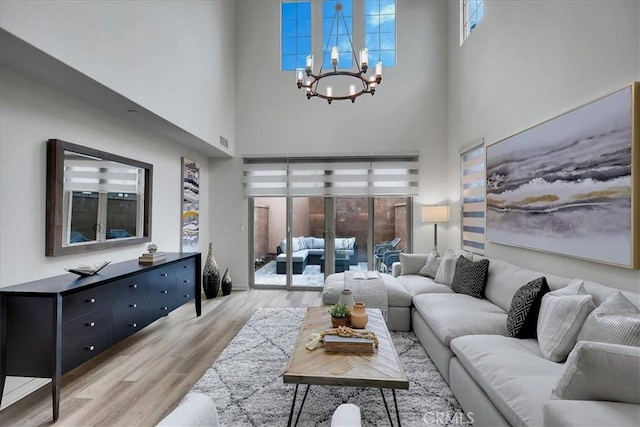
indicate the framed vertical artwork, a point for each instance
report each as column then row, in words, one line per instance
column 571, row 185
column 190, row 205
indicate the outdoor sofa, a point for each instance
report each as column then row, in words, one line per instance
column 310, row 251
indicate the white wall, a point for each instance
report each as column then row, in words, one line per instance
column 173, row 57
column 407, row 114
column 526, row 62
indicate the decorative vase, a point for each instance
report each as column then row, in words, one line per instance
column 346, row 298
column 226, row 283
column 211, row 275
column 339, row 321
column 359, row 316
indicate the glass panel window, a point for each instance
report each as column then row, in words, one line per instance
column 380, row 31
column 295, row 34
column 471, row 12
column 340, row 27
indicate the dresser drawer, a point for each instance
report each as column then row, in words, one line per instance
column 131, row 299
column 122, row 329
column 84, row 326
column 185, row 291
column 85, row 349
column 131, row 287
column 83, row 302
column 186, row 268
column 163, row 300
column 162, row 277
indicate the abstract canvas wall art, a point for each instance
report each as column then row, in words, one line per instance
column 567, row 185
column 190, row 205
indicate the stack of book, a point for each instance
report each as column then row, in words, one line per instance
column 150, row 258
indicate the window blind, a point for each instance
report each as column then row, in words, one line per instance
column 473, row 199
column 101, row 176
column 331, row 176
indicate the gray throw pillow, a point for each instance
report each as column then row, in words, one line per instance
column 615, row 321
column 522, row 318
column 430, row 268
column 470, row 277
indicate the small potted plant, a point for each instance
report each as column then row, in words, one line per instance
column 340, row 314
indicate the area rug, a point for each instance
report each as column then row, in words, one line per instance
column 246, row 384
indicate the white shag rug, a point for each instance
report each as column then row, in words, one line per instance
column 246, row 384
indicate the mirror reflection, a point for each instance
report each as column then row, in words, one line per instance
column 104, row 200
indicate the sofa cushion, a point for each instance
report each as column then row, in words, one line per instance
column 454, row 315
column 562, row 314
column 318, row 243
column 397, row 295
column 308, row 242
column 505, row 279
column 411, row 263
column 298, row 256
column 522, row 318
column 570, row 413
column 430, row 267
column 615, row 321
column 601, row 371
column 512, row 372
column 416, row 285
column 447, row 268
column 470, row 277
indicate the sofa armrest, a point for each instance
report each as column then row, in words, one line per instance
column 396, row 268
column 600, row 371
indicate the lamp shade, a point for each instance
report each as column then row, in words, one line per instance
column 435, row 214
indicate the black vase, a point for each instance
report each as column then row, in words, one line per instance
column 211, row 275
column 226, row 283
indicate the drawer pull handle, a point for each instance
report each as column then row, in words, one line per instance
column 134, row 286
column 91, row 324
column 186, row 295
column 90, row 347
column 164, row 292
column 133, row 305
column 186, row 281
column 164, row 308
column 186, row 266
column 91, row 301
column 163, row 275
column 133, row 325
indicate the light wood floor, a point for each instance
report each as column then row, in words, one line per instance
column 141, row 379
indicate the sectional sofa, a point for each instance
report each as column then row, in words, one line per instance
column 310, row 251
column 501, row 380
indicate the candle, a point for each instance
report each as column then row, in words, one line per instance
column 308, row 84
column 334, row 56
column 329, row 91
column 300, row 75
column 364, row 56
column 379, row 69
column 352, row 90
column 310, row 62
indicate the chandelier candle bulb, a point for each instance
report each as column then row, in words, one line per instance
column 299, row 75
column 352, row 90
column 329, row 91
column 334, row 56
column 309, row 66
column 379, row 69
column 364, row 57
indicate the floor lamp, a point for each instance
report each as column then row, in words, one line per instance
column 435, row 215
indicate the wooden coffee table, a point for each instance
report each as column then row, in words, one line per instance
column 380, row 369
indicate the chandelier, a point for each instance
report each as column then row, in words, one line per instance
column 360, row 86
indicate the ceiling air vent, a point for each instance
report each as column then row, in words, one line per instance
column 224, row 142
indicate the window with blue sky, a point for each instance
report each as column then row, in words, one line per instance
column 296, row 34
column 471, row 12
column 340, row 30
column 380, row 31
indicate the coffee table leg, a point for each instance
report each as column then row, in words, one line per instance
column 302, row 404
column 293, row 405
column 395, row 402
column 386, row 407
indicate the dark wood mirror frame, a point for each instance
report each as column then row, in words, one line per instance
column 55, row 193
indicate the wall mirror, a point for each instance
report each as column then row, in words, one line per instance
column 95, row 200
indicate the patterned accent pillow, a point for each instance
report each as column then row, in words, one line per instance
column 430, row 268
column 522, row 318
column 615, row 321
column 562, row 314
column 470, row 277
